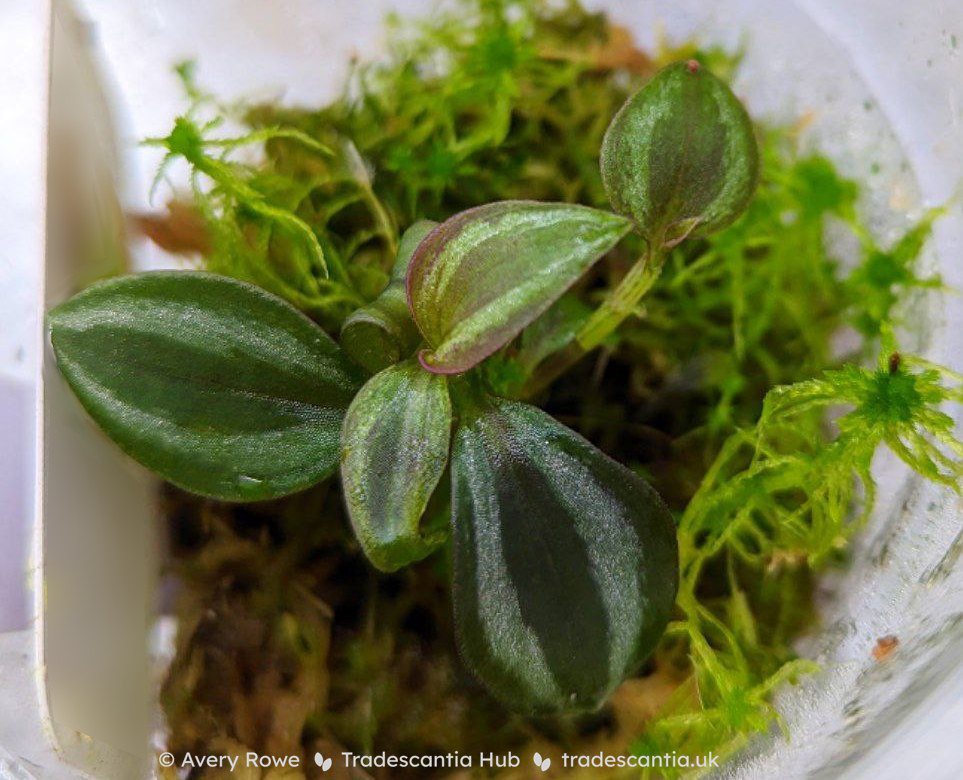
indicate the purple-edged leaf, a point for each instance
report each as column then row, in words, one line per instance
column 479, row 278
column 565, row 562
column 680, row 157
column 394, row 448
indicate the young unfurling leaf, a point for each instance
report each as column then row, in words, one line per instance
column 565, row 562
column 394, row 448
column 680, row 157
column 382, row 333
column 486, row 273
column 218, row 386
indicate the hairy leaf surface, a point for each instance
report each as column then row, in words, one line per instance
column 218, row 386
column 565, row 562
column 480, row 277
column 394, row 448
column 382, row 333
column 680, row 157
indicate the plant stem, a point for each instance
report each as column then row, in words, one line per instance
column 622, row 301
column 619, row 304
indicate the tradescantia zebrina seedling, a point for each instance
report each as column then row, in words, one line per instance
column 565, row 562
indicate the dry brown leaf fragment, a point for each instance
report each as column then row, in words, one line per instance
column 617, row 52
column 620, row 51
column 181, row 230
column 885, row 646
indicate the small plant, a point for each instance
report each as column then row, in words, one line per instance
column 496, row 100
column 565, row 563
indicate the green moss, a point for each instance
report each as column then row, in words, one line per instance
column 186, row 140
column 775, row 505
column 718, row 390
column 891, row 398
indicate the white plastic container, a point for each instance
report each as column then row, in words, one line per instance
column 882, row 84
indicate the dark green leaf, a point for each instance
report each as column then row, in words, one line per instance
column 565, row 562
column 680, row 157
column 394, row 448
column 484, row 274
column 382, row 333
column 552, row 332
column 218, row 386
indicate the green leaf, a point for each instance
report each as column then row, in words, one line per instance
column 394, row 448
column 480, row 277
column 552, row 332
column 382, row 333
column 217, row 385
column 565, row 562
column 680, row 157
